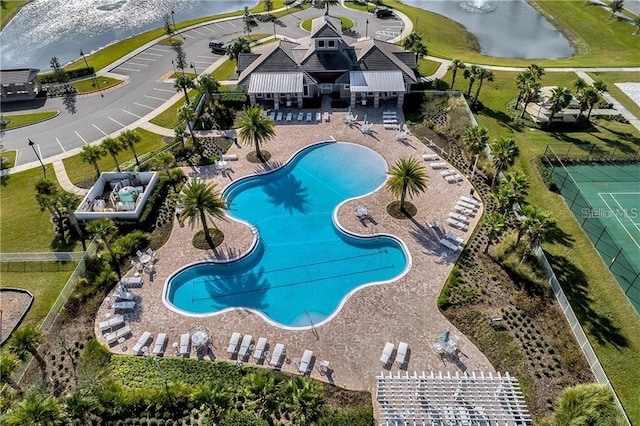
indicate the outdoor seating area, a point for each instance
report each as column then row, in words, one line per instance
column 446, row 344
column 296, row 116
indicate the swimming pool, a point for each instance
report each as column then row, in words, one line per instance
column 303, row 267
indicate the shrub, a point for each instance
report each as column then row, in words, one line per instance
column 546, row 175
column 50, row 77
column 444, row 299
column 154, row 202
column 130, row 243
column 362, row 416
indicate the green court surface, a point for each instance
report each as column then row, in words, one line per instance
column 605, row 198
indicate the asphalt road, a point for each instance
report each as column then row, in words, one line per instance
column 89, row 118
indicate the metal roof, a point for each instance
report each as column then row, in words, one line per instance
column 376, row 81
column 276, row 82
column 18, row 76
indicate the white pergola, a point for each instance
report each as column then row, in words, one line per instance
column 435, row 399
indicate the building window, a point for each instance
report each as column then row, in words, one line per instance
column 269, row 95
column 347, row 86
column 305, row 90
column 259, row 95
column 394, row 93
column 320, row 43
column 332, row 43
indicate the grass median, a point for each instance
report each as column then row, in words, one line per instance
column 8, row 158
column 19, row 120
column 611, row 78
column 169, row 117
column 88, row 85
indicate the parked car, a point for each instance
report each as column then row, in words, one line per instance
column 383, row 12
column 218, row 46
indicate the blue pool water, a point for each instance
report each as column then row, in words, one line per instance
column 303, row 267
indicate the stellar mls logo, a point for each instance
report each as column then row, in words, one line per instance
column 610, row 214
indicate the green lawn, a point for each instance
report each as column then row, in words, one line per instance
column 619, row 77
column 225, row 71
column 9, row 9
column 10, row 158
column 427, row 67
column 601, row 42
column 18, row 120
column 358, row 6
column 607, row 317
column 24, row 228
column 78, row 170
column 87, row 85
column 345, row 22
column 169, row 117
column 44, row 286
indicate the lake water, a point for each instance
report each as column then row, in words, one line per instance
column 504, row 28
column 46, row 28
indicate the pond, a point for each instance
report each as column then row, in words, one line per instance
column 509, row 28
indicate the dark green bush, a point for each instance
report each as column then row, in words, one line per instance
column 362, row 416
column 127, row 245
column 50, row 77
column 546, row 175
column 154, row 202
column 243, row 418
column 444, row 299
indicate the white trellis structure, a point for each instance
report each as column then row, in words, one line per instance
column 437, row 399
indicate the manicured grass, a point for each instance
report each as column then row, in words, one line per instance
column 345, row 22
column 18, row 120
column 9, row 9
column 172, row 41
column 44, row 286
column 358, row 6
column 79, row 170
column 619, row 77
column 10, row 158
column 225, row 71
column 169, row 117
column 427, row 67
column 24, row 227
column 600, row 42
column 87, row 85
column 607, row 317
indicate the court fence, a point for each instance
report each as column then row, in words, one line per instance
column 626, row 272
column 583, row 153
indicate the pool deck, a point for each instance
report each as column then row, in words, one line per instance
column 352, row 341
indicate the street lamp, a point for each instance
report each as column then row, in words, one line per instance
column 175, row 30
column 195, row 71
column 93, row 74
column 44, row 169
column 473, row 172
column 366, row 31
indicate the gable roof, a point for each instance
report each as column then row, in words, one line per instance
column 376, row 81
column 274, row 57
column 18, row 75
column 276, row 82
column 326, row 26
column 376, row 55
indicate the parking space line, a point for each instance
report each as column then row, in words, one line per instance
column 164, row 90
column 187, row 35
column 207, row 57
column 219, row 25
column 145, row 59
column 153, row 97
column 61, row 147
column 138, row 65
column 99, row 129
column 152, row 54
column 116, row 121
column 81, row 138
column 127, row 69
column 210, row 29
column 231, row 23
column 159, row 49
column 143, row 106
column 197, row 32
column 202, row 62
column 129, row 112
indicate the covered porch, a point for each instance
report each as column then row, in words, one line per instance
column 372, row 86
column 278, row 89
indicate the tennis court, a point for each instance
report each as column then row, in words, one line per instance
column 605, row 198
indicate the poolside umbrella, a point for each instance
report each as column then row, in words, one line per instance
column 365, row 119
column 401, row 128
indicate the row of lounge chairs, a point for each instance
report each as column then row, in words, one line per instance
column 401, row 354
column 300, row 116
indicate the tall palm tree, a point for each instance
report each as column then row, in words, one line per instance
column 165, row 160
column 535, row 225
column 559, row 99
column 483, row 74
column 475, row 139
column 615, row 6
column 504, row 197
column 238, row 46
column 103, row 230
column 589, row 98
column 495, row 227
column 579, row 85
column 303, row 399
column 254, row 128
column 522, row 81
column 200, row 201
column 184, row 82
column 531, row 92
column 46, row 194
column 35, row 410
column 327, row 3
column 413, row 43
column 128, row 139
column 8, row 366
column 518, row 183
column 407, row 177
column 600, row 86
column 214, row 396
column 536, row 71
column 504, row 152
column 471, row 74
column 113, row 147
column 179, row 134
column 456, row 64
column 261, row 391
column 208, row 85
column 25, row 341
column 187, row 114
column 91, row 154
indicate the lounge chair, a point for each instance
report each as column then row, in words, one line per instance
column 161, row 340
column 452, row 222
column 124, row 306
column 131, row 281
column 386, row 354
column 142, row 341
column 273, row 116
column 401, row 356
column 259, row 350
column 453, row 179
column 464, row 211
column 244, row 346
column 325, row 116
column 430, row 157
column 459, row 217
column 279, row 117
column 438, row 165
column 123, row 295
column 289, row 116
column 389, row 121
column 470, row 200
column 366, row 128
column 309, row 117
column 466, row 205
column 447, row 172
column 300, row 116
column 111, row 323
column 453, row 237
column 277, row 355
column 303, row 368
column 229, row 157
column 233, row 344
column 115, row 335
column 448, row 244
column 318, row 117
column 185, row 341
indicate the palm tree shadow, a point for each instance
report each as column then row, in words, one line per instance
column 288, row 192
column 267, row 167
column 576, row 288
column 557, row 235
column 69, row 101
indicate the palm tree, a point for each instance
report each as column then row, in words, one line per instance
column 413, row 43
column 8, row 366
column 103, row 230
column 504, row 152
column 187, row 114
column 560, row 99
column 91, row 154
column 268, row 6
column 255, row 129
column 165, row 160
column 303, row 399
column 35, row 410
column 586, row 404
column 200, row 201
column 535, row 226
column 615, row 6
column 238, row 46
column 184, row 82
column 600, row 86
column 456, row 64
column 129, row 138
column 579, row 85
column 260, row 390
column 483, row 74
column 215, row 397
column 536, row 71
column 79, row 405
column 179, row 134
column 407, row 177
column 531, row 92
column 327, row 3
column 495, row 227
column 504, row 197
column 522, row 82
column 113, row 147
column 46, row 193
column 518, row 183
column 588, row 99
column 471, row 74
column 208, row 85
column 475, row 139
column 25, row 341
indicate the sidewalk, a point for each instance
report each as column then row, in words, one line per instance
column 63, row 179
